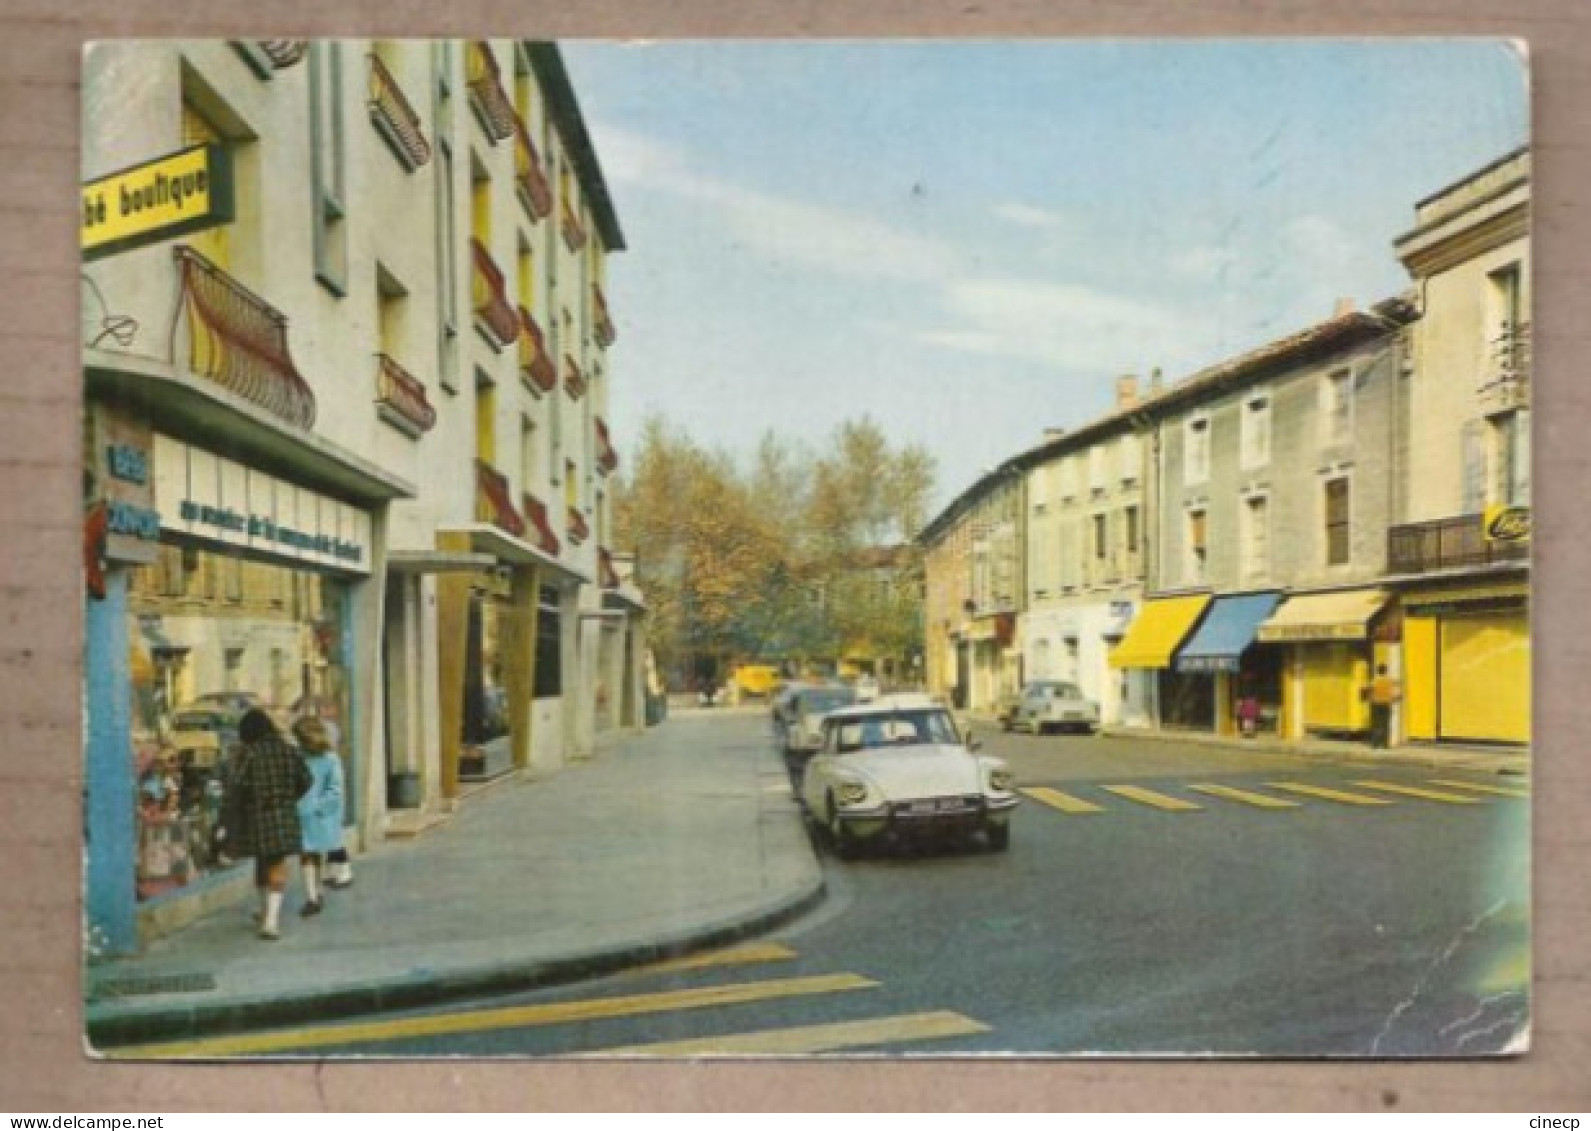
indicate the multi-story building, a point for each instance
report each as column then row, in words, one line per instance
column 1273, row 483
column 1085, row 555
column 346, row 445
column 1459, row 552
column 973, row 564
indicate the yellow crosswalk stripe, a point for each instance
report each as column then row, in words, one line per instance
column 1424, row 794
column 1259, row 800
column 1500, row 791
column 512, row 1017
column 1150, row 797
column 734, row 956
column 1329, row 794
column 807, row 1039
column 1065, row 802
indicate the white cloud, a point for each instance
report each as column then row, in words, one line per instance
column 1027, row 216
column 1204, row 263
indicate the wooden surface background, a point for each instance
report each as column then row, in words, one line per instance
column 42, row 1067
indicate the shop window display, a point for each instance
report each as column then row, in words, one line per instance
column 212, row 636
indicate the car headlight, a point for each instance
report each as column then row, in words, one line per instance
column 848, row 792
column 1000, row 780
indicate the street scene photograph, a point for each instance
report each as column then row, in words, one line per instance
column 806, row 548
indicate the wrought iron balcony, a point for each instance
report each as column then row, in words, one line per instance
column 1448, row 543
column 574, row 233
column 578, row 530
column 238, row 340
column 284, row 52
column 1507, row 383
column 487, row 97
column 534, row 191
column 606, row 333
column 607, row 458
column 395, row 119
column 537, row 370
column 494, row 501
column 490, row 299
column 541, row 535
column 401, row 400
column 574, row 380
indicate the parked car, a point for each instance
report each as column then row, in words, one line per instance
column 803, row 733
column 889, row 771
column 1049, row 705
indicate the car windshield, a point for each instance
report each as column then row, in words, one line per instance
column 897, row 728
column 1060, row 690
column 821, row 702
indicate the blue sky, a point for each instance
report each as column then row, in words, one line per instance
column 969, row 240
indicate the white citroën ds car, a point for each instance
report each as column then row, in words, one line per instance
column 897, row 769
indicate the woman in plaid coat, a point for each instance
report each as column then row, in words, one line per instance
column 268, row 777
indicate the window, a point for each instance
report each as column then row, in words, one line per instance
column 1510, row 462
column 390, row 294
column 1068, row 477
column 1101, row 537
column 571, row 485
column 527, row 277
column 1256, row 432
column 480, row 203
column 555, row 437
column 1256, row 536
column 1507, row 302
column 527, row 454
column 1196, row 451
column 1338, row 544
column 1130, row 529
column 1096, row 468
column 447, row 245
column 485, row 418
column 601, row 513
column 1131, row 459
column 549, row 645
column 1336, row 412
column 327, row 163
column 1198, row 545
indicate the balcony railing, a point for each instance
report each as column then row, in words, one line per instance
column 492, row 311
column 1448, row 543
column 606, row 333
column 395, row 119
column 541, row 535
column 574, row 233
column 401, row 399
column 607, row 458
column 577, row 528
column 487, row 97
column 494, row 502
column 574, row 380
column 606, row 574
column 284, row 52
column 238, row 340
column 1507, row 383
column 534, row 191
column 537, row 370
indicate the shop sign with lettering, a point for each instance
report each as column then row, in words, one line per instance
column 186, row 191
column 1507, row 524
column 118, row 490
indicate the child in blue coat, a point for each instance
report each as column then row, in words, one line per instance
column 320, row 811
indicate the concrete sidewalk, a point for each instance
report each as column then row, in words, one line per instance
column 681, row 838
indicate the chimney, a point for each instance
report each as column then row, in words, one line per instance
column 1127, row 390
column 1156, row 381
column 1343, row 308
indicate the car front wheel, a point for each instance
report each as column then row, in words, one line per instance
column 840, row 839
column 999, row 837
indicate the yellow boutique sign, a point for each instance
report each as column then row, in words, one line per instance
column 172, row 195
column 1507, row 524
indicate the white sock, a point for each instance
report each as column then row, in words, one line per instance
column 273, row 911
column 312, row 882
column 343, row 872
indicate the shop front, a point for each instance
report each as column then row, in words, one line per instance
column 1467, row 662
column 1332, row 643
column 240, row 589
column 1244, row 680
column 1162, row 624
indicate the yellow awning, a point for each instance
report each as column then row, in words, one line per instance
column 1157, row 631
column 1466, row 594
column 1344, row 615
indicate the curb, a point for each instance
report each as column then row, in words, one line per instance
column 1403, row 755
column 103, row 1035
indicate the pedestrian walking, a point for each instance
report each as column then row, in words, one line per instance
column 260, row 814
column 1383, row 694
column 320, row 812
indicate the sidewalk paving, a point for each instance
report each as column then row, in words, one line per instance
column 681, row 838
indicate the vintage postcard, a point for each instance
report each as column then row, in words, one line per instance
column 776, row 548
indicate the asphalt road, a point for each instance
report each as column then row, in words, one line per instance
column 1144, row 907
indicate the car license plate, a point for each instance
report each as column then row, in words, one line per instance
column 936, row 805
